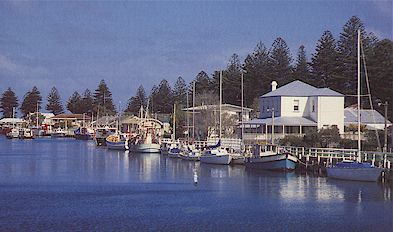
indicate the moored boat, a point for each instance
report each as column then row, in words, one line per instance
column 354, row 171
column 101, row 134
column 277, row 161
column 83, row 133
column 117, row 142
column 216, row 155
column 13, row 133
column 58, row 133
column 26, row 133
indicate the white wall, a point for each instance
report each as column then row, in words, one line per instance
column 331, row 112
column 287, row 104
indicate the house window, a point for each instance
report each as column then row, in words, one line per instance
column 313, row 106
column 296, row 105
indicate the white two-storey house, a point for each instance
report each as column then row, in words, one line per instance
column 296, row 108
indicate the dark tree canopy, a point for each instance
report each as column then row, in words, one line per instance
column 74, row 104
column 231, row 81
column 202, row 82
column 103, row 100
column 8, row 102
column 347, row 48
column 180, row 92
column 135, row 102
column 87, row 102
column 302, row 68
column 163, row 98
column 257, row 74
column 280, row 62
column 325, row 63
column 31, row 101
column 54, row 104
column 380, row 67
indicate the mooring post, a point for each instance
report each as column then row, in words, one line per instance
column 373, row 160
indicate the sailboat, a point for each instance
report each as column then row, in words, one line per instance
column 215, row 154
column 357, row 171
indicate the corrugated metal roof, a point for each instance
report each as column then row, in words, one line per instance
column 366, row 116
column 283, row 121
column 300, row 89
column 228, row 107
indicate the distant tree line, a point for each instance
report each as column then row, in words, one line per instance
column 100, row 102
column 333, row 64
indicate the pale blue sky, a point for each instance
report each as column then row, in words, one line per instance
column 73, row 45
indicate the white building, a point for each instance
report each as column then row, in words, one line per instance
column 297, row 107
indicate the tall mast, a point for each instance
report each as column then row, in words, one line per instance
column 359, row 142
column 174, row 122
column 220, row 99
column 193, row 111
column 188, row 120
column 242, row 106
column 37, row 117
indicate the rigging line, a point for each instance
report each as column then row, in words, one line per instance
column 352, row 95
column 369, row 95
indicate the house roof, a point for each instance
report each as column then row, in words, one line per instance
column 71, row 116
column 12, row 120
column 227, row 107
column 367, row 116
column 282, row 121
column 300, row 89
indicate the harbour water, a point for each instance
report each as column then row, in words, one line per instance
column 69, row 185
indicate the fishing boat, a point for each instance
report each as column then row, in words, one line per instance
column 117, row 141
column 83, row 133
column 164, row 148
column 101, row 134
column 13, row 134
column 145, row 144
column 26, row 133
column 58, row 133
column 174, row 152
column 216, row 155
column 272, row 160
column 190, row 153
column 350, row 170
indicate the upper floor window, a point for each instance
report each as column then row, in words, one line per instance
column 296, row 105
column 313, row 106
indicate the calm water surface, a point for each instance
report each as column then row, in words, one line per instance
column 68, row 185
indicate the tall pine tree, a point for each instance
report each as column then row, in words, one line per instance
column 103, row 100
column 180, row 91
column 164, row 99
column 135, row 102
column 231, row 82
column 280, row 62
column 74, row 104
column 325, row 64
column 8, row 102
column 257, row 74
column 31, row 101
column 302, row 69
column 380, row 67
column 54, row 104
column 87, row 102
column 347, row 48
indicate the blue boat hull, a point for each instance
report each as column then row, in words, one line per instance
column 117, row 145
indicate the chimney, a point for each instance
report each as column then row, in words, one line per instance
column 274, row 85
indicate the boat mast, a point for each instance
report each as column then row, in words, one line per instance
column 193, row 112
column 241, row 144
column 37, row 117
column 358, row 93
column 174, row 122
column 188, row 120
column 220, row 100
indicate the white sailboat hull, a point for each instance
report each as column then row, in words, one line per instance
column 145, row 148
column 216, row 159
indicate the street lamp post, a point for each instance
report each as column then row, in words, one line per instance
column 385, row 146
column 272, row 110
